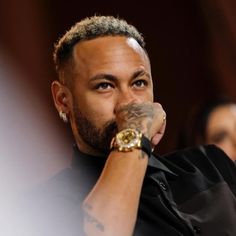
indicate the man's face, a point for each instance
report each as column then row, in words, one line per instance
column 109, row 72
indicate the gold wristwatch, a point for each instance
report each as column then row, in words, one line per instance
column 128, row 139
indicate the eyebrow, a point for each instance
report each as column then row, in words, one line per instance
column 113, row 78
column 140, row 73
column 104, row 76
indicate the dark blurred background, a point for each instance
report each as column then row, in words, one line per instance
column 191, row 43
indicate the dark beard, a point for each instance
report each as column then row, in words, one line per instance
column 99, row 139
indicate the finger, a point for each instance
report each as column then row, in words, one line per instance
column 158, row 136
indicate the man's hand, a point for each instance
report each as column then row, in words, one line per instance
column 149, row 118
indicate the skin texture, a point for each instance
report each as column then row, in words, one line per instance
column 112, row 91
column 221, row 129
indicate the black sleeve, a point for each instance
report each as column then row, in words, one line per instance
column 223, row 163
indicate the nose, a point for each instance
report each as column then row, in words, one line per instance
column 126, row 97
column 232, row 151
column 233, row 139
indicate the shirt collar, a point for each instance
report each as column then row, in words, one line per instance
column 154, row 162
column 80, row 157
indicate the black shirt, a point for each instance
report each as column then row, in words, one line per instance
column 188, row 192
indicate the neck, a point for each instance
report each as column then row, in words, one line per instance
column 87, row 149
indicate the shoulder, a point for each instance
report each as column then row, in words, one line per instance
column 199, row 155
column 65, row 188
column 210, row 160
column 53, row 206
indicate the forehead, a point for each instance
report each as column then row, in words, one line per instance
column 222, row 115
column 110, row 52
column 222, row 110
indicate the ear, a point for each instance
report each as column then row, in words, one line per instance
column 62, row 97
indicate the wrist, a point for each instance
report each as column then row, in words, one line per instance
column 129, row 139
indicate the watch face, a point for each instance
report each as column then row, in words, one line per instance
column 128, row 138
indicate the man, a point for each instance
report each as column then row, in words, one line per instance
column 116, row 186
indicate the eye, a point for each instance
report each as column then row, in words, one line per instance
column 219, row 137
column 104, row 86
column 140, row 83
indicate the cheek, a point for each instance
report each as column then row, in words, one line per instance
column 99, row 111
column 150, row 95
column 227, row 147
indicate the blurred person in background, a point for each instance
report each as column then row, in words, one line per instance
column 212, row 122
